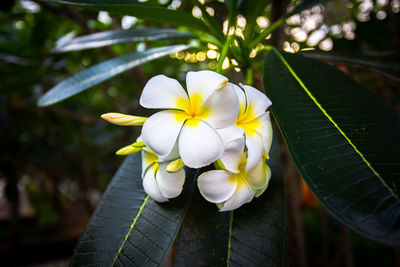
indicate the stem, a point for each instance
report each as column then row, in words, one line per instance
column 267, row 31
column 224, row 52
column 249, row 76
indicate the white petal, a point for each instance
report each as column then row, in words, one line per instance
column 267, row 172
column 255, row 149
column 257, row 102
column 172, row 155
column 148, row 158
column 242, row 195
column 162, row 92
column 233, row 154
column 170, row 184
column 203, row 83
column 216, row 186
column 241, row 97
column 221, row 107
column 257, row 177
column 150, row 185
column 230, row 133
column 199, row 144
column 266, row 131
column 161, row 130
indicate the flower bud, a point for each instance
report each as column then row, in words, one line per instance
column 123, row 119
column 127, row 150
column 175, row 165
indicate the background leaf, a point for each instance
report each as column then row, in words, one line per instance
column 390, row 70
column 101, row 39
column 253, row 235
column 128, row 228
column 140, row 10
column 343, row 140
column 103, row 71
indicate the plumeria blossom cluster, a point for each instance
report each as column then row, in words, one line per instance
column 213, row 121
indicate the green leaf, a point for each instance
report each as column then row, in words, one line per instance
column 128, row 228
column 253, row 235
column 306, row 4
column 101, row 39
column 391, row 70
column 140, row 10
column 343, row 139
column 103, row 71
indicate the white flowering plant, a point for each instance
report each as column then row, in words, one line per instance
column 204, row 173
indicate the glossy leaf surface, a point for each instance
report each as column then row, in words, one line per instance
column 140, row 10
column 343, row 139
column 128, row 228
column 253, row 235
column 103, row 71
column 101, row 39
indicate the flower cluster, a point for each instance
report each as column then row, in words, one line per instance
column 214, row 121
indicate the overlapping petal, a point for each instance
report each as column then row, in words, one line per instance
column 162, row 92
column 203, row 83
column 221, row 108
column 233, row 154
column 257, row 177
column 257, row 102
column 199, row 143
column 150, row 184
column 241, row 98
column 170, row 184
column 230, row 133
column 266, row 131
column 161, row 130
column 216, row 186
column 255, row 150
column 267, row 173
column 242, row 195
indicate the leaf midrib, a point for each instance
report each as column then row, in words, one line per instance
column 303, row 86
column 130, row 229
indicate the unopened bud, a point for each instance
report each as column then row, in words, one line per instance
column 123, row 119
column 175, row 165
column 127, row 150
column 138, row 144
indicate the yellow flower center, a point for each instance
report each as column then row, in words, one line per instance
column 241, row 177
column 193, row 109
column 248, row 122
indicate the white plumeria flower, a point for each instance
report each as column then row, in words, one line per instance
column 231, row 190
column 253, row 124
column 192, row 118
column 159, row 184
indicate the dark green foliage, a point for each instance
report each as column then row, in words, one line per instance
column 343, row 139
column 254, row 234
column 128, row 228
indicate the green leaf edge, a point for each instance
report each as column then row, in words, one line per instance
column 333, row 122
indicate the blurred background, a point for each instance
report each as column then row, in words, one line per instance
column 55, row 162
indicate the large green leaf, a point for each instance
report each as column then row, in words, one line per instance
column 343, row 139
column 128, row 228
column 253, row 235
column 391, row 70
column 101, row 39
column 103, row 71
column 140, row 10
